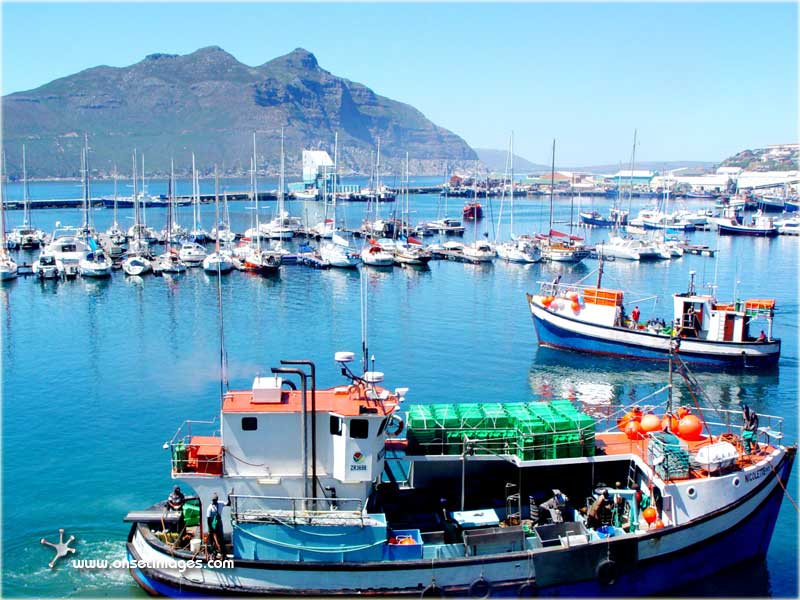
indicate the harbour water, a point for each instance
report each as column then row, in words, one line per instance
column 98, row 374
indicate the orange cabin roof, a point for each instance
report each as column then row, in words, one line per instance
column 347, row 401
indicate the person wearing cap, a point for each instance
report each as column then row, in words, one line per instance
column 214, row 521
column 176, row 499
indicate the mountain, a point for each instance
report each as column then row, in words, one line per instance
column 495, row 161
column 209, row 103
column 780, row 157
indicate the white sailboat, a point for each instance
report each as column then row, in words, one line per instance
column 96, row 263
column 479, row 250
column 197, row 234
column 169, row 261
column 337, row 252
column 257, row 260
column 222, row 232
column 219, row 261
column 137, row 262
column 8, row 268
column 26, row 236
column 517, row 250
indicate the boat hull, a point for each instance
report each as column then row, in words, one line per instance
column 565, row 333
column 653, row 562
column 744, row 230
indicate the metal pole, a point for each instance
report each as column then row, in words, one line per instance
column 313, row 368
column 304, row 428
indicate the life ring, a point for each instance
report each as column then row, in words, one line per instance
column 480, row 588
column 431, row 591
column 607, row 572
column 527, row 590
column 398, row 428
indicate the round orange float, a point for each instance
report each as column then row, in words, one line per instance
column 650, row 515
column 690, row 428
column 634, row 430
column 651, row 422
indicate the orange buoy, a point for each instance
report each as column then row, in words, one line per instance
column 651, row 422
column 669, row 422
column 634, row 430
column 659, row 524
column 682, row 412
column 650, row 515
column 547, row 300
column 690, row 428
column 407, row 541
column 576, row 307
column 632, row 415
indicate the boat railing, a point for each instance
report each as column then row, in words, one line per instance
column 732, row 421
column 552, row 288
column 196, row 447
column 297, row 509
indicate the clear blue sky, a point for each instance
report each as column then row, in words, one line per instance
column 699, row 81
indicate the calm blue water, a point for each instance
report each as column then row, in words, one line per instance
column 97, row 375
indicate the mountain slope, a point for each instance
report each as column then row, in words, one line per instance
column 210, row 103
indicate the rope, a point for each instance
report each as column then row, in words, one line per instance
column 311, row 549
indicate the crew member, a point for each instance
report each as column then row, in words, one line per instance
column 597, row 511
column 749, row 430
column 176, row 499
column 635, row 314
column 214, row 521
column 554, row 506
column 620, row 512
column 762, row 337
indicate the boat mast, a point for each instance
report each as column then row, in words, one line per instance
column 552, row 187
column 511, row 152
column 630, row 175
column 255, row 197
column 136, row 215
column 4, row 246
column 144, row 198
column 216, row 211
column 170, row 203
column 116, row 224
column 194, row 195
column 26, row 209
column 378, row 182
column 333, row 181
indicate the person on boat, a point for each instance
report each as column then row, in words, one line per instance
column 749, row 430
column 176, row 499
column 620, row 512
column 214, row 521
column 554, row 506
column 635, row 314
column 762, row 337
column 597, row 512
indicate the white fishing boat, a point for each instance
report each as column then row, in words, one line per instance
column 691, row 500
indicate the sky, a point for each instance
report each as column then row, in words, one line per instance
column 697, row 81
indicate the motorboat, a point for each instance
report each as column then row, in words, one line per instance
column 446, row 226
column 759, row 226
column 45, row 267
column 136, row 264
column 631, row 248
column 192, row 254
column 789, row 226
column 96, row 264
column 616, row 218
column 337, row 253
column 69, row 249
column 473, row 211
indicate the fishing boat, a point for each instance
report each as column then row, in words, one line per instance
column 25, row 236
column 476, row 500
column 759, row 226
column 616, row 218
column 472, row 211
column 8, row 268
column 708, row 332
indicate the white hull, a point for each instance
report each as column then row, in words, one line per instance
column 136, row 265
column 214, row 263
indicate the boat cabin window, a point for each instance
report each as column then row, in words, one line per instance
column 249, row 423
column 336, row 425
column 359, row 429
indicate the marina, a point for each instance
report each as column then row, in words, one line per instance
column 184, row 308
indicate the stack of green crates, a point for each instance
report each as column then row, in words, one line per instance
column 531, row 430
column 675, row 463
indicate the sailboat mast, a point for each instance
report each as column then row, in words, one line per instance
column 116, row 225
column 194, row 195
column 216, row 210
column 4, row 246
column 335, row 170
column 26, row 208
column 255, row 196
column 144, row 197
column 171, row 203
column 512, row 185
column 281, row 183
column 552, row 186
column 378, row 182
column 136, row 215
column 630, row 175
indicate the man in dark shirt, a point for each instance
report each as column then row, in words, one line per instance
column 749, row 430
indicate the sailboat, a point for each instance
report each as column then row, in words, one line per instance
column 218, row 261
column 26, row 236
column 137, row 262
column 479, row 250
column 198, row 235
column 257, row 260
column 8, row 268
column 517, row 250
column 170, row 261
column 115, row 233
column 409, row 250
column 337, row 252
column 222, row 232
column 96, row 263
column 283, row 226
